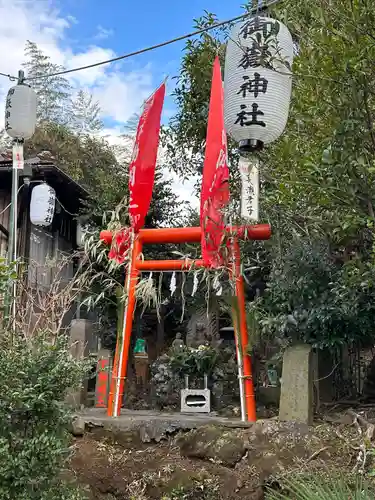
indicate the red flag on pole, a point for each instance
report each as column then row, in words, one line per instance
column 215, row 182
column 142, row 166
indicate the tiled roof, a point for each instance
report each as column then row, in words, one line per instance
column 42, row 158
column 44, row 164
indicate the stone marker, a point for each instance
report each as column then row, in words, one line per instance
column 296, row 399
column 81, row 338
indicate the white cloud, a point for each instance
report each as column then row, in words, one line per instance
column 103, row 33
column 120, row 94
column 123, row 147
column 91, row 76
column 184, row 189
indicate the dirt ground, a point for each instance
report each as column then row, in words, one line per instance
column 213, row 463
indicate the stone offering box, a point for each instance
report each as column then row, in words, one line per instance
column 195, row 400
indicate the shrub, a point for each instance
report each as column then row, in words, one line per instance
column 197, row 362
column 169, row 370
column 34, row 442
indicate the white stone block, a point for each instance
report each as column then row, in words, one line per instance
column 195, row 401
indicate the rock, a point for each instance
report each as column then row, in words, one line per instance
column 157, row 431
column 214, row 444
column 78, row 426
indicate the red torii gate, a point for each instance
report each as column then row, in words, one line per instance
column 137, row 265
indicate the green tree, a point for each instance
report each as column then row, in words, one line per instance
column 320, row 173
column 36, row 372
column 34, row 378
column 53, row 92
column 186, row 133
column 92, row 162
column 80, row 113
column 318, row 178
column 87, row 159
column 85, row 114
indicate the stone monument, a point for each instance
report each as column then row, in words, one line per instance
column 296, row 399
column 196, row 336
column 201, row 333
column 203, row 327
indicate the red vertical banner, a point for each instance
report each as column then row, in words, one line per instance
column 142, row 166
column 215, row 182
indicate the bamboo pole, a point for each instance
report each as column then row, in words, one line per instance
column 240, row 366
column 236, row 328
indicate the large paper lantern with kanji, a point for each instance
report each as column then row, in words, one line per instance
column 20, row 112
column 258, row 82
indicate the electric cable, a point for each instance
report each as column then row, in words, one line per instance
column 256, row 10
column 39, row 182
column 137, row 52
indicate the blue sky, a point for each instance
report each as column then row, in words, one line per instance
column 128, row 26
column 80, row 32
column 135, row 25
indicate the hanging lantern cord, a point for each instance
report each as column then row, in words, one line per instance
column 21, row 77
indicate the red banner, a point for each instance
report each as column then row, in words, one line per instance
column 142, row 166
column 215, row 182
column 102, row 383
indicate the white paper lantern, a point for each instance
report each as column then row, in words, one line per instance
column 20, row 112
column 42, row 205
column 258, row 81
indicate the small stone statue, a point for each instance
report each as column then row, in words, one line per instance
column 178, row 343
column 216, row 340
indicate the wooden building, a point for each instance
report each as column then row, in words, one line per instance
column 38, row 247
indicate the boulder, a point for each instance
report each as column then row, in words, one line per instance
column 212, row 443
column 77, row 427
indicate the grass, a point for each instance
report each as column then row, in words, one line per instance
column 315, row 488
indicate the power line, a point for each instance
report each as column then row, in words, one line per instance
column 141, row 51
column 157, row 46
column 9, row 76
column 256, row 10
